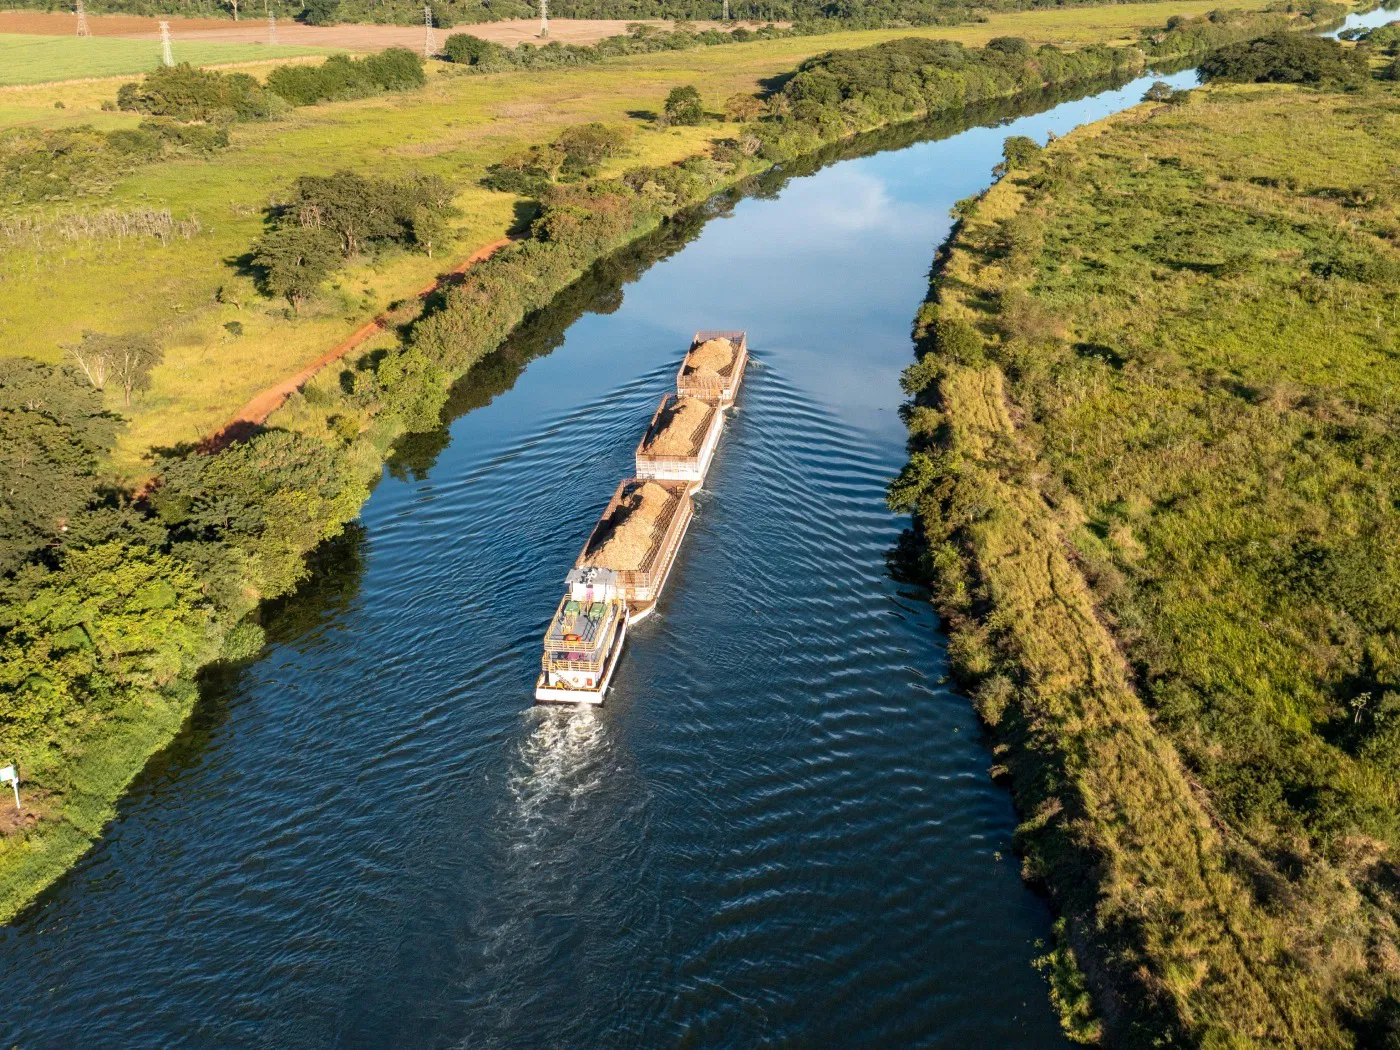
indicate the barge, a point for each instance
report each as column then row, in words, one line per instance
column 714, row 366
column 680, row 440
column 623, row 567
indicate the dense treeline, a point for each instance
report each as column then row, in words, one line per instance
column 1191, row 323
column 104, row 601
column 808, row 16
column 182, row 92
column 489, row 57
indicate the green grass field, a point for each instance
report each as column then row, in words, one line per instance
column 455, row 127
column 1193, row 325
column 26, row 59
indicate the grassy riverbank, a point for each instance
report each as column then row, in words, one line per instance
column 456, row 127
column 1153, row 456
column 119, row 610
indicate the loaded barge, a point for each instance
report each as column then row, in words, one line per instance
column 623, row 567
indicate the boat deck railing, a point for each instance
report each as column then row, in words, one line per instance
column 561, row 664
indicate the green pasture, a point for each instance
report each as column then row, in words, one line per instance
column 27, row 59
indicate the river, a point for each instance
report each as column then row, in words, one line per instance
column 779, row 831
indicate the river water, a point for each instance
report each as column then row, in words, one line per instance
column 779, row 831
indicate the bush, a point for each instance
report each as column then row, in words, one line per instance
column 190, row 94
column 467, row 50
column 683, row 105
column 341, row 77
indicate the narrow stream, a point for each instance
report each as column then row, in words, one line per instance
column 779, row 831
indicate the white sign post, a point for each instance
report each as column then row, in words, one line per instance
column 9, row 776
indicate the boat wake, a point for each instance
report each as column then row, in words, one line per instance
column 561, row 760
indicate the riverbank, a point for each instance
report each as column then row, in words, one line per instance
column 348, row 423
column 1152, row 434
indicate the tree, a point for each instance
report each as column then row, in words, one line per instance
column 54, row 434
column 1160, row 91
column 128, row 359
column 321, row 12
column 588, row 145
column 742, row 108
column 354, row 208
column 1017, row 152
column 91, row 359
column 683, row 105
column 133, row 358
column 294, row 260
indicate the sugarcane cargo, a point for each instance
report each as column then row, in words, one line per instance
column 638, row 538
column 681, row 440
column 714, row 366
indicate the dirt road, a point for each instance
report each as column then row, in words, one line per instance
column 256, row 412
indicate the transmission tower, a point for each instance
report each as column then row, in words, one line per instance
column 726, row 10
column 165, row 53
column 544, row 17
column 271, row 26
column 429, row 37
column 83, row 29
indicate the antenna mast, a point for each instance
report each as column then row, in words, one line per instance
column 165, row 54
column 83, row 29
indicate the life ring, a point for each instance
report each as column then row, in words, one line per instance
column 572, row 638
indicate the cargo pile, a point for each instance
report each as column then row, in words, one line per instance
column 712, row 358
column 679, row 428
column 625, row 539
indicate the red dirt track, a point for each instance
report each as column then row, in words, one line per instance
column 256, row 412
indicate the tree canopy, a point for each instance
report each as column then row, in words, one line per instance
column 54, row 433
column 1286, row 58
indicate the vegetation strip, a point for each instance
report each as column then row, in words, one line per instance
column 1152, row 444
column 110, row 607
